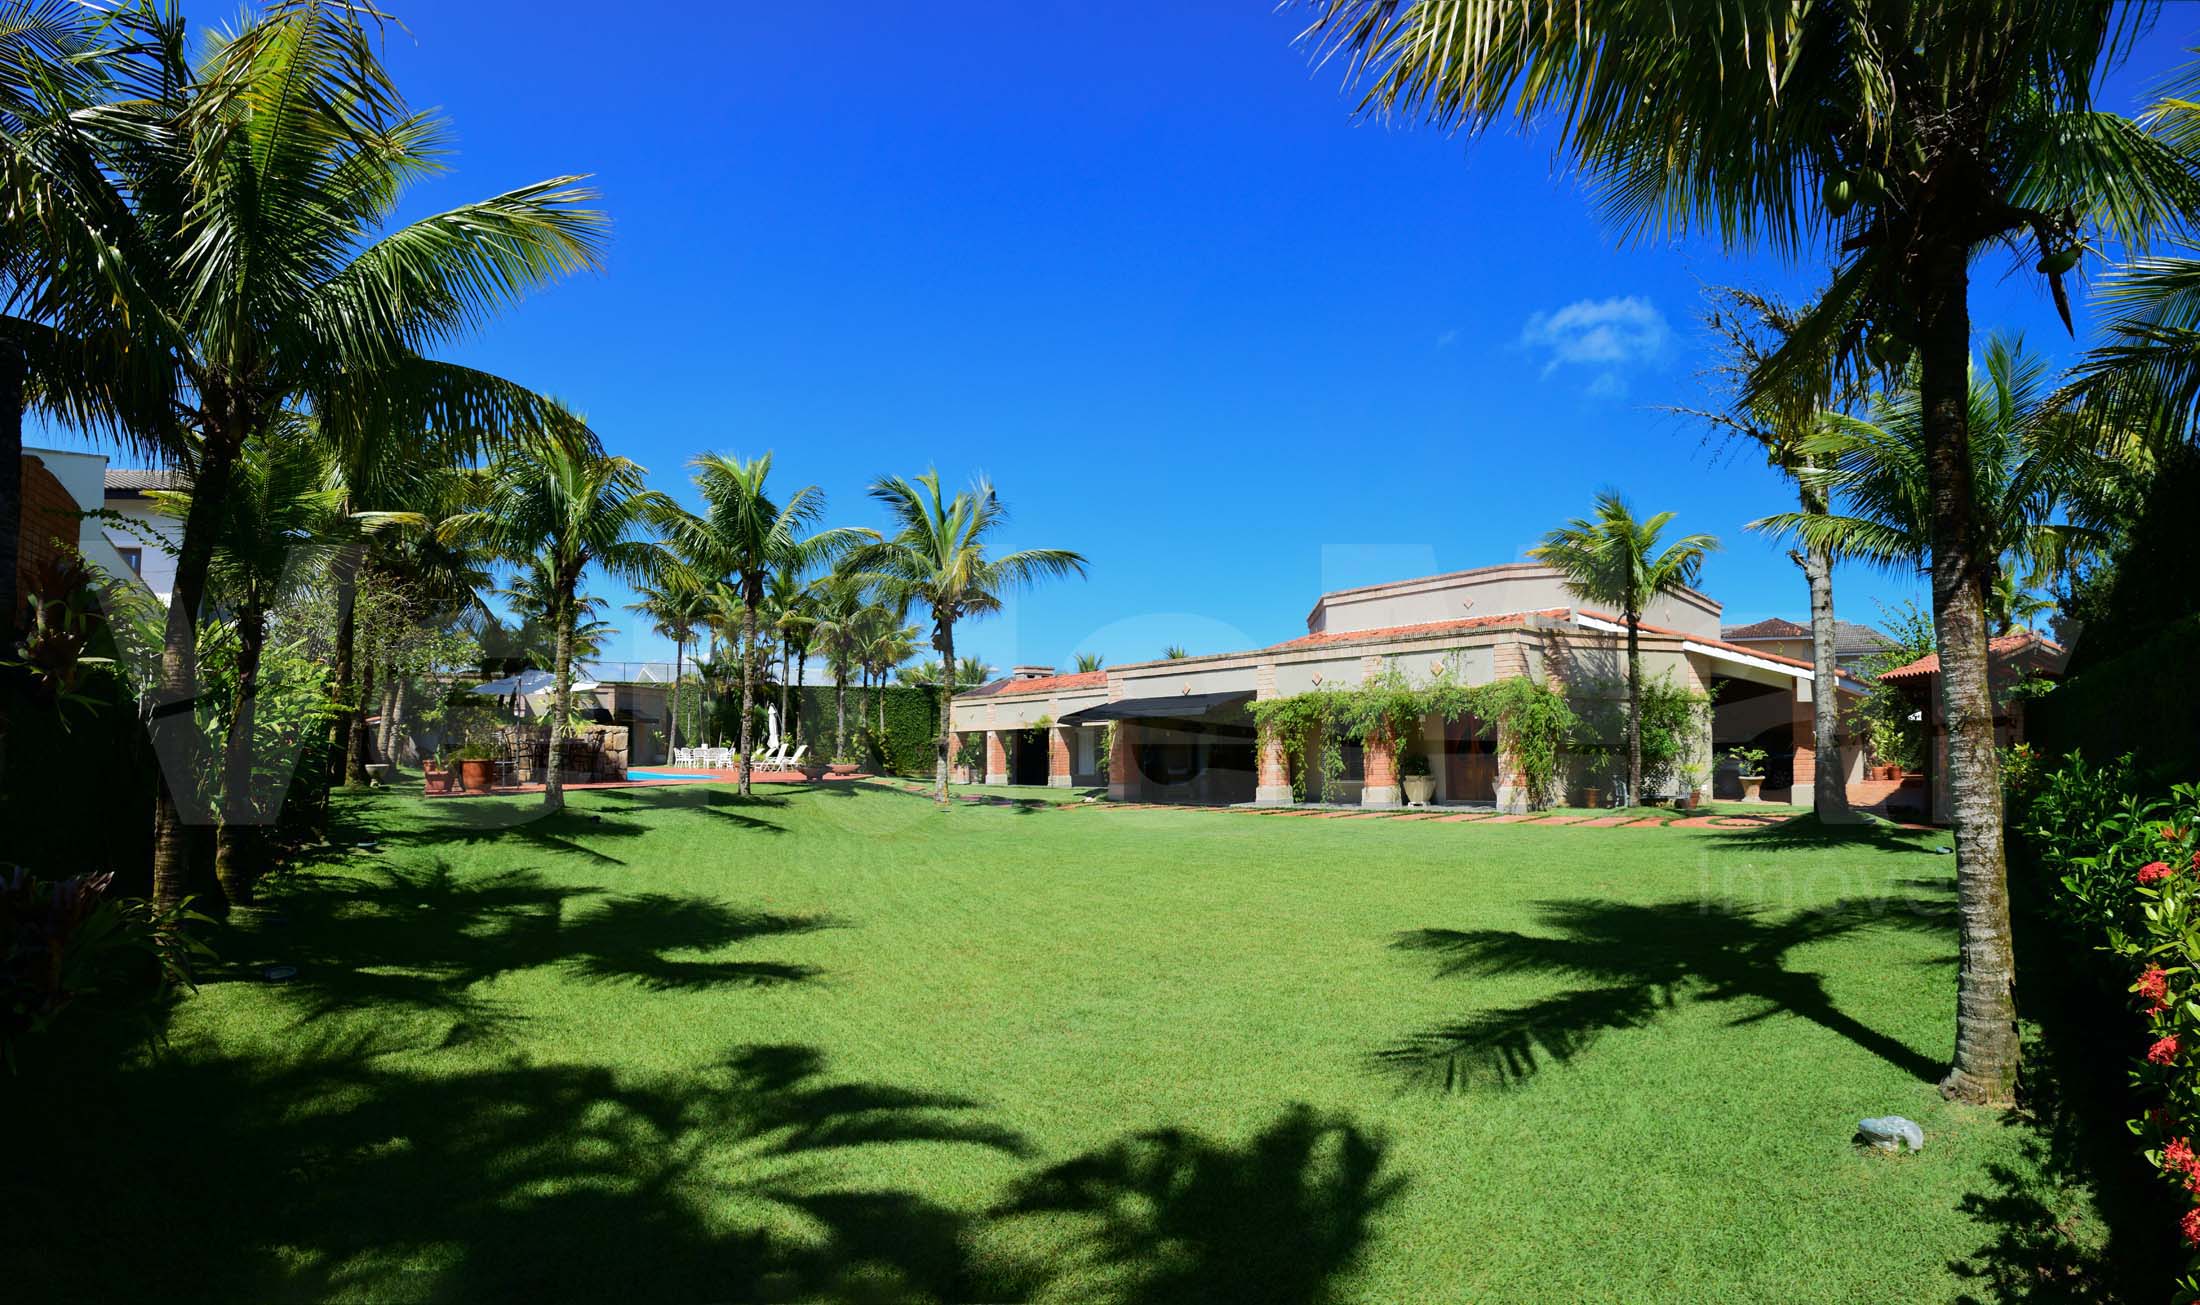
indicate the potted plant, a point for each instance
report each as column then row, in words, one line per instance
column 1592, row 796
column 476, row 763
column 1695, row 779
column 1420, row 785
column 842, row 764
column 1751, row 762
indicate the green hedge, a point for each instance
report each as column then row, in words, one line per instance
column 2143, row 701
column 906, row 747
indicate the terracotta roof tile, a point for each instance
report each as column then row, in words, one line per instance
column 2008, row 645
column 1708, row 641
column 1044, row 684
column 1773, row 628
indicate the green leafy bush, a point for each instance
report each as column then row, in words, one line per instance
column 2128, row 875
column 68, row 938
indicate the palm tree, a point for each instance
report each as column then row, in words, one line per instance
column 236, row 209
column 284, row 516
column 1613, row 558
column 841, row 607
column 748, row 536
column 938, row 555
column 1089, row 662
column 567, row 509
column 886, row 642
column 675, row 603
column 970, row 672
column 1907, row 135
column 1777, row 420
column 2047, row 498
column 1175, row 652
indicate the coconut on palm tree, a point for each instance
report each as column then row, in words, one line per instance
column 1611, row 557
column 747, row 534
column 938, row 554
column 1904, row 137
column 560, row 510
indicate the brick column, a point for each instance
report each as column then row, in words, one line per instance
column 1274, row 785
column 996, row 758
column 1058, row 757
column 1804, row 732
column 1379, row 754
column 1122, row 766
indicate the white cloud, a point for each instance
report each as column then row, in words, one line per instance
column 1607, row 334
column 1445, row 340
column 1608, row 385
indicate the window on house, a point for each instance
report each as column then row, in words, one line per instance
column 134, row 558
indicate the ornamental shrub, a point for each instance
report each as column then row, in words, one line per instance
column 2127, row 868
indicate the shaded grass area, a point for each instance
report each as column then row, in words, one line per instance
column 833, row 1043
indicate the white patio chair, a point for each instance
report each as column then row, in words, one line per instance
column 794, row 759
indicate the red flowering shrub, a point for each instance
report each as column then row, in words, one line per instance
column 2116, row 854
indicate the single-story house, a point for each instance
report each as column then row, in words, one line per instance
column 2012, row 658
column 1853, row 644
column 1181, row 732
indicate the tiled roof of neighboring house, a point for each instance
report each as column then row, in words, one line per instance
column 1412, row 631
column 130, row 482
column 1849, row 638
column 2008, row 645
column 1039, row 684
column 1740, row 649
column 1775, row 628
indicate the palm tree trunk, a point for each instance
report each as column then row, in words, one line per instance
column 174, row 721
column 1634, row 706
column 1987, row 1049
column 947, row 711
column 236, row 844
column 394, row 719
column 786, row 723
column 561, row 700
column 385, row 737
column 346, row 576
column 672, row 712
column 355, row 745
column 794, row 726
column 840, row 712
column 748, row 688
column 882, row 708
column 11, row 513
column 1830, row 787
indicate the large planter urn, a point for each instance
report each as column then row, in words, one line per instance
column 1419, row 789
column 478, row 775
column 841, row 768
column 1592, row 797
column 1751, row 786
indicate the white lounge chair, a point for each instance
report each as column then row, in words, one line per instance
column 795, row 758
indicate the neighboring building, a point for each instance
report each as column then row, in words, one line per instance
column 2021, row 654
column 1182, row 733
column 60, row 489
column 140, row 544
column 1853, row 644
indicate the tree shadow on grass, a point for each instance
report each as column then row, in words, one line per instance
column 422, row 941
column 1808, row 833
column 341, row 1170
column 1175, row 1217
column 2082, row 1216
column 1637, row 962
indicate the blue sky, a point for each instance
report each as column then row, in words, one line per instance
column 1152, row 277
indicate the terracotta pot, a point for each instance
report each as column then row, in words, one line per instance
column 478, row 776
column 1695, row 799
column 841, row 768
column 1592, row 797
column 813, row 769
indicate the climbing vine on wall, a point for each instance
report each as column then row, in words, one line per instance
column 1536, row 719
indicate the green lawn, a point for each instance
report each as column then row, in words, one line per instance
column 838, row 1044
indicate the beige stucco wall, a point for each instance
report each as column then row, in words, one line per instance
column 1486, row 591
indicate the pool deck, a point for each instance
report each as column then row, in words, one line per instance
column 701, row 775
